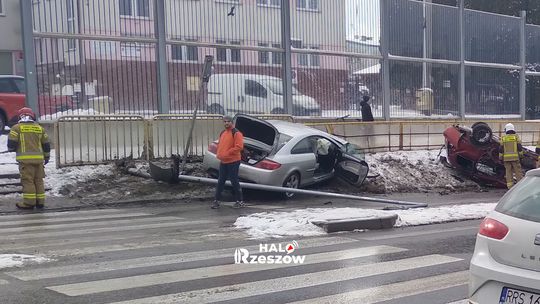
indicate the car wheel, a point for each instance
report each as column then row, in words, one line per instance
column 292, row 181
column 278, row 111
column 215, row 109
column 481, row 134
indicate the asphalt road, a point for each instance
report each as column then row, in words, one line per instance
column 184, row 253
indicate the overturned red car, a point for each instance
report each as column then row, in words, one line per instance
column 474, row 151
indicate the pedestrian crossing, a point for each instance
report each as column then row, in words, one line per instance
column 132, row 257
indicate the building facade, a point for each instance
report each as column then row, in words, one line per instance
column 11, row 55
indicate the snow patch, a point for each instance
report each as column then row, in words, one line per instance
column 18, row 260
column 299, row 222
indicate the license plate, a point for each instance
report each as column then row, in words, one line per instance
column 516, row 296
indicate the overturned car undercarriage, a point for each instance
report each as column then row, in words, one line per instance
column 474, row 151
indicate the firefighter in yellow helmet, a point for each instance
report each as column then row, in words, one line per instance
column 510, row 153
column 31, row 143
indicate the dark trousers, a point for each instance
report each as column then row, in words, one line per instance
column 230, row 172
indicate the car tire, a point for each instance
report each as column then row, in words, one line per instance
column 292, row 181
column 481, row 134
column 215, row 109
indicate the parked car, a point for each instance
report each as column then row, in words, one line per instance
column 12, row 98
column 281, row 153
column 253, row 93
column 505, row 267
column 474, row 151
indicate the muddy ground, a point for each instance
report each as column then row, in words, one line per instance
column 126, row 183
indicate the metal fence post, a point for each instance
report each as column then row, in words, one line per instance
column 385, row 61
column 29, row 56
column 161, row 54
column 523, row 63
column 287, row 61
column 461, row 85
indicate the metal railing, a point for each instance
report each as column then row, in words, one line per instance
column 83, row 140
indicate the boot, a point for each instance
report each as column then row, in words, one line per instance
column 215, row 204
column 24, row 206
column 239, row 204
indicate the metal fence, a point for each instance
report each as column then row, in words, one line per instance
column 301, row 57
column 82, row 140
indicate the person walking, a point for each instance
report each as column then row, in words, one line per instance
column 230, row 146
column 366, row 109
column 510, row 152
column 31, row 143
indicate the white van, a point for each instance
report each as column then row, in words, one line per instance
column 252, row 93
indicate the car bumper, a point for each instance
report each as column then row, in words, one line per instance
column 488, row 277
column 249, row 173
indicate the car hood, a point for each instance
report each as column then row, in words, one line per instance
column 256, row 129
column 305, row 101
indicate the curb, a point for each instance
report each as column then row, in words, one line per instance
column 384, row 222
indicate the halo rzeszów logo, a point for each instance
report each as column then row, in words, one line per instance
column 280, row 253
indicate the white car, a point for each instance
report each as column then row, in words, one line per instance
column 505, row 267
column 253, row 93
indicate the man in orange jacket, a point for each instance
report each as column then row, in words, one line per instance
column 230, row 146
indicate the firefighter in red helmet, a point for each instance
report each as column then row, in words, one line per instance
column 31, row 143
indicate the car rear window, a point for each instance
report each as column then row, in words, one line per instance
column 523, row 201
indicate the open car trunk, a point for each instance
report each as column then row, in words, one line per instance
column 260, row 138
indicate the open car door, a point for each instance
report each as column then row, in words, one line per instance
column 350, row 165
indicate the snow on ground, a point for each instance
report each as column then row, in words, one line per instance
column 413, row 170
column 55, row 179
column 299, row 222
column 18, row 260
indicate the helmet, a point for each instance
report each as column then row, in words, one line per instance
column 26, row 112
column 509, row 127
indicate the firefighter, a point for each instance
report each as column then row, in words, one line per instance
column 31, row 143
column 510, row 152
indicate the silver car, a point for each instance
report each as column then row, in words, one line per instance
column 505, row 267
column 281, row 153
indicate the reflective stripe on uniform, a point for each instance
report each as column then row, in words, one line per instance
column 13, row 134
column 23, row 157
column 40, row 195
column 31, row 129
column 29, row 195
column 510, row 147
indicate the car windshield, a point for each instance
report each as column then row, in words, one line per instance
column 523, row 201
column 276, row 86
column 354, row 150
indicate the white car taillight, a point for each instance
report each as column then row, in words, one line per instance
column 493, row 229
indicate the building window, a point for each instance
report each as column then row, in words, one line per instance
column 235, row 53
column 70, row 11
column 227, row 54
column 306, row 60
column 130, row 49
column 315, row 58
column 176, row 52
column 185, row 52
column 266, row 57
column 312, row 5
column 135, row 8
column 221, row 53
column 192, row 51
column 273, row 3
column 1, row 8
